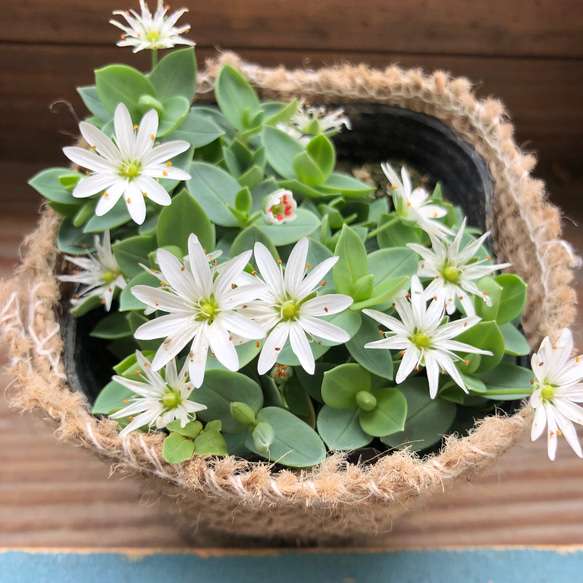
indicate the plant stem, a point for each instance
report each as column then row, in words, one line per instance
column 382, row 228
column 516, row 391
column 154, row 57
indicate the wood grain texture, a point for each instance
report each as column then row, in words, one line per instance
column 543, row 28
column 544, row 97
column 60, row 496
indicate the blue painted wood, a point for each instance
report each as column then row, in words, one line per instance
column 427, row 566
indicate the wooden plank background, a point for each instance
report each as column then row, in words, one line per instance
column 529, row 54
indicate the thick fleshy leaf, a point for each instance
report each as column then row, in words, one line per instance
column 215, row 190
column 246, row 240
column 397, row 234
column 378, row 362
column 182, row 218
column 346, row 185
column 210, row 442
column 221, row 388
column 388, row 416
column 340, row 429
column 281, row 149
column 122, row 84
column 114, row 325
column 341, row 385
column 175, row 111
column 91, row 100
column 129, row 253
column 514, row 341
column 117, row 216
column 295, row 443
column 288, row 233
column 127, row 301
column 488, row 285
column 198, row 130
column 72, row 240
column 485, row 336
column 236, row 98
column 507, row 376
column 427, row 419
column 352, row 262
column 175, row 74
column 111, row 398
column 191, row 429
column 307, row 170
column 177, row 448
column 313, row 383
column 48, row 184
column 513, row 298
column 322, row 152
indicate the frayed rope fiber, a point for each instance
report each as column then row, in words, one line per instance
column 335, row 499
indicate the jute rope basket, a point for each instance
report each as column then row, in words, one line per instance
column 337, row 498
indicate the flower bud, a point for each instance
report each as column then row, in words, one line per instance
column 263, row 436
column 243, row 413
column 366, row 401
column 280, row 207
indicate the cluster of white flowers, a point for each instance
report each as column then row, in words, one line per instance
column 217, row 306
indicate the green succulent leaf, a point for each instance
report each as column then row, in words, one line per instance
column 92, row 103
column 396, row 234
column 280, row 150
column 127, row 301
column 116, row 217
column 352, row 262
column 221, row 388
column 295, row 443
column 114, row 325
column 485, row 336
column 73, row 241
column 111, row 398
column 48, row 183
column 288, row 233
column 388, row 416
column 177, row 449
column 341, row 385
column 215, row 190
column 191, row 429
column 346, row 185
column 117, row 84
column 198, row 130
column 514, row 341
column 340, row 429
column 182, row 218
column 307, row 170
column 175, row 74
column 427, row 419
column 321, row 151
column 513, row 298
column 507, row 377
column 130, row 252
column 210, row 442
column 378, row 362
column 489, row 286
column 236, row 98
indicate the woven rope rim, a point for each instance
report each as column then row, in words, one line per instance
column 30, row 309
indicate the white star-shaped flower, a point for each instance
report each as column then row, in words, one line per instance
column 455, row 272
column 314, row 120
column 202, row 304
column 147, row 31
column 101, row 275
column 557, row 389
column 128, row 165
column 290, row 307
column 413, row 205
column 422, row 339
column 161, row 400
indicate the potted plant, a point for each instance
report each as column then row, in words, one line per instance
column 304, row 342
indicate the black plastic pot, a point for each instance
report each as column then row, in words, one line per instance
column 379, row 133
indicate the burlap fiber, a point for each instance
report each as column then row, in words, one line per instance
column 336, row 499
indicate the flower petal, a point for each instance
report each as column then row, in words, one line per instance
column 272, row 347
column 301, row 348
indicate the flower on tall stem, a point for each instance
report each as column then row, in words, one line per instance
column 413, row 205
column 422, row 338
column 160, row 399
column 290, row 307
column 313, row 120
column 127, row 166
column 147, row 31
column 557, row 390
column 101, row 275
column 455, row 271
column 202, row 304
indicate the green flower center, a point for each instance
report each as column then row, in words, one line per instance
column 130, row 170
column 153, row 36
column 208, row 310
column 421, row 340
column 289, row 310
column 451, row 274
column 548, row 392
column 110, row 276
column 172, row 398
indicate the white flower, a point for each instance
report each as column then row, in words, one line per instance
column 160, row 400
column 201, row 308
column 147, row 31
column 557, row 390
column 287, row 310
column 101, row 274
column 314, row 120
column 280, row 207
column 422, row 339
column 413, row 205
column 454, row 274
column 128, row 165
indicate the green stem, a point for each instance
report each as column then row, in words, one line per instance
column 517, row 391
column 154, row 58
column 383, row 228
